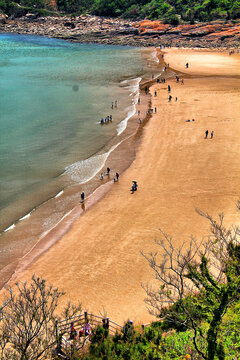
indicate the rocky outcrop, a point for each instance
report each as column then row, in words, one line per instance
column 94, row 29
column 216, row 32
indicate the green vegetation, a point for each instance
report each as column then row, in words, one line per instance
column 155, row 343
column 197, row 303
column 172, row 11
column 20, row 8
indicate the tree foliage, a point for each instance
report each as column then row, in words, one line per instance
column 167, row 10
column 27, row 320
column 197, row 285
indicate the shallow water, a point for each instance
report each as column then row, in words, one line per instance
column 53, row 94
column 52, row 146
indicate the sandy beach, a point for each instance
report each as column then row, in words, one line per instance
column 98, row 261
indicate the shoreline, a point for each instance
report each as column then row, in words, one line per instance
column 97, row 192
column 97, row 261
column 114, row 31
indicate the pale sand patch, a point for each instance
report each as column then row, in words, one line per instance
column 98, row 260
column 203, row 62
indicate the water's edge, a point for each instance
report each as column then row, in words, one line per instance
column 54, row 234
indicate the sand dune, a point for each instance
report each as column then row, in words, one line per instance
column 98, row 260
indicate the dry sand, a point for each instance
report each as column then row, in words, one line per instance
column 98, row 260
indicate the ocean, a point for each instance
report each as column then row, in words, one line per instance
column 53, row 94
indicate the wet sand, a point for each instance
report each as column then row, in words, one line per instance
column 98, row 260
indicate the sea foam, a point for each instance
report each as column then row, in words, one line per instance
column 133, row 86
column 84, row 170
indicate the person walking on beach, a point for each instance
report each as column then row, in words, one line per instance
column 169, row 88
column 206, row 134
column 116, row 177
column 187, row 65
column 170, row 98
column 212, row 134
column 134, row 187
column 155, row 93
column 182, row 82
column 82, row 196
column 108, row 171
column 176, row 99
column 155, row 110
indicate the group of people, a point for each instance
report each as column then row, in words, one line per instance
column 108, row 174
column 114, row 104
column 101, row 178
column 169, row 89
column 233, row 52
column 85, row 331
column 206, row 134
column 162, row 80
column 106, row 120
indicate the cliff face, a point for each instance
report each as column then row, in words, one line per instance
column 93, row 29
column 215, row 32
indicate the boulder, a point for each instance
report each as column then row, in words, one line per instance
column 70, row 24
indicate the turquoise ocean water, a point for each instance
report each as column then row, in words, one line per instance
column 52, row 95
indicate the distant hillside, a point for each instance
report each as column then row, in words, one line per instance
column 170, row 11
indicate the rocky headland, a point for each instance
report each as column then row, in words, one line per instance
column 93, row 29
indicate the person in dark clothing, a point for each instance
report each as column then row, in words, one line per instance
column 82, row 196
column 170, row 98
column 108, row 170
column 169, row 88
column 135, row 185
column 206, row 134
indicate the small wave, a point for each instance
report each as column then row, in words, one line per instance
column 132, row 84
column 154, row 56
column 25, row 217
column 84, row 170
column 123, row 124
column 58, row 194
column 10, row 228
